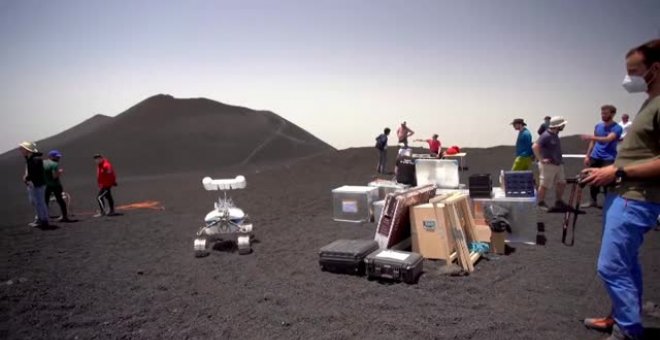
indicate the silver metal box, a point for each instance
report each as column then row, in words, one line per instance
column 353, row 203
column 386, row 187
column 441, row 172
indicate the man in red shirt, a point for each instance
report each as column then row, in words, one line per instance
column 106, row 179
column 434, row 144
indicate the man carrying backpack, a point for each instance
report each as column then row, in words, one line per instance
column 381, row 146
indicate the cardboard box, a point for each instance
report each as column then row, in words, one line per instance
column 483, row 233
column 497, row 243
column 430, row 232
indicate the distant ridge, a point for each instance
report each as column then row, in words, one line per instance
column 163, row 134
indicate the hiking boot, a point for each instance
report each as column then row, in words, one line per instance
column 620, row 334
column 543, row 206
column 600, row 324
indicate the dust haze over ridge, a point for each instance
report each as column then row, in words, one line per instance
column 341, row 70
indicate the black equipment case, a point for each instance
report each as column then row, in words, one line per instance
column 480, row 186
column 394, row 265
column 346, row 256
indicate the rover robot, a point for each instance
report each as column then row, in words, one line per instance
column 225, row 220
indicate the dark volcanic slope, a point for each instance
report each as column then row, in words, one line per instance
column 164, row 135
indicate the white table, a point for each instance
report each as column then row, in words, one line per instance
column 460, row 157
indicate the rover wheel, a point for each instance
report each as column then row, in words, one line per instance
column 201, row 247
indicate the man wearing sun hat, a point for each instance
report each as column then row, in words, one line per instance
column 547, row 150
column 53, row 184
column 524, row 153
column 35, row 181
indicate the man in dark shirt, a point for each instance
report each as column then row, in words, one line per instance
column 547, row 150
column 35, row 181
column 381, row 146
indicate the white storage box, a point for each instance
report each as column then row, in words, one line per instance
column 386, row 187
column 353, row 203
column 522, row 215
column 441, row 172
column 378, row 209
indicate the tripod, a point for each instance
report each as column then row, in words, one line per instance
column 573, row 211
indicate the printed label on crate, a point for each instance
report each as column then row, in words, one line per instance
column 349, row 207
column 388, row 254
column 429, row 225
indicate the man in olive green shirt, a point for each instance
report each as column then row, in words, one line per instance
column 53, row 184
column 633, row 209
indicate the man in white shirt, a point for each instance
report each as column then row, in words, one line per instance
column 625, row 125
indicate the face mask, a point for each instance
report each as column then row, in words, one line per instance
column 634, row 84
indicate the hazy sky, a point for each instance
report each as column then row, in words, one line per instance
column 343, row 70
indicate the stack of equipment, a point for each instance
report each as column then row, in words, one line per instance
column 480, row 186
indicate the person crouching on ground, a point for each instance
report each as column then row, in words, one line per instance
column 633, row 208
column 53, row 184
column 524, row 153
column 381, row 146
column 547, row 150
column 35, row 182
column 602, row 147
column 106, row 179
column 434, row 145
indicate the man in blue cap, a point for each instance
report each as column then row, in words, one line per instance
column 53, row 185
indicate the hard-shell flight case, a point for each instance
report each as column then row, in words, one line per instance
column 394, row 265
column 346, row 256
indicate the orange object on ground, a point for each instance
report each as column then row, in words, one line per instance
column 154, row 205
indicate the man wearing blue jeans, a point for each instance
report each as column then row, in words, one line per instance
column 35, row 181
column 632, row 209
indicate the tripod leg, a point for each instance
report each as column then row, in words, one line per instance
column 578, row 197
column 567, row 214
